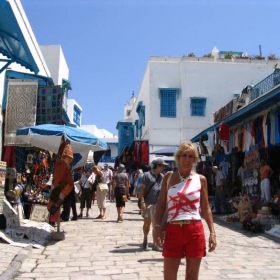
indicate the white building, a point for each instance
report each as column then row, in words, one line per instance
column 112, row 144
column 56, row 63
column 178, row 96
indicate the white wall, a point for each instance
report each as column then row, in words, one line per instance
column 56, row 62
column 105, row 135
column 216, row 80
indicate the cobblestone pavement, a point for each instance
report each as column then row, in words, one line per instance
column 96, row 249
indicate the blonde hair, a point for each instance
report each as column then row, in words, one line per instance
column 185, row 147
column 96, row 168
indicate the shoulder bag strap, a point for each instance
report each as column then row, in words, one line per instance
column 168, row 179
column 151, row 186
column 85, row 182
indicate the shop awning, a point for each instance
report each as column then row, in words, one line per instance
column 264, row 102
column 12, row 42
column 167, row 151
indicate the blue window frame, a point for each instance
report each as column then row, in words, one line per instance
column 77, row 115
column 141, row 113
column 198, row 106
column 168, row 104
column 137, row 128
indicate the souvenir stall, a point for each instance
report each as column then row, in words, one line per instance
column 248, row 131
column 37, row 179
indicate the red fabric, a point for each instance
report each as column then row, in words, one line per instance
column 224, row 132
column 253, row 131
column 54, row 217
column 9, row 156
column 62, row 178
column 261, row 131
column 184, row 241
column 137, row 152
column 145, row 152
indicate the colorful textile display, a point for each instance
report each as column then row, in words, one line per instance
column 21, row 108
column 62, row 178
column 49, row 105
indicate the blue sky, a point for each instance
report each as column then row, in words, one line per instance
column 107, row 43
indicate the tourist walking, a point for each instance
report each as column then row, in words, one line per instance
column 150, row 189
column 121, row 189
column 108, row 175
column 100, row 194
column 86, row 194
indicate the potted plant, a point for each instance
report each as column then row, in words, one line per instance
column 209, row 55
column 229, row 55
column 272, row 57
column 191, row 54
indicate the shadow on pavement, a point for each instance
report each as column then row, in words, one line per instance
column 237, row 226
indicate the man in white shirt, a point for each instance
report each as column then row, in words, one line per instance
column 108, row 174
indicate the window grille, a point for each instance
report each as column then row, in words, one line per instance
column 198, row 106
column 77, row 115
column 168, row 103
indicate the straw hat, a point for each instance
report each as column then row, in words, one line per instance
column 265, row 210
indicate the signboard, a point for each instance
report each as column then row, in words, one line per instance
column 39, row 213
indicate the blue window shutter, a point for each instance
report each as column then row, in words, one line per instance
column 198, row 106
column 168, row 103
column 77, row 115
column 137, row 128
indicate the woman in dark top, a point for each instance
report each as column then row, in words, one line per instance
column 120, row 188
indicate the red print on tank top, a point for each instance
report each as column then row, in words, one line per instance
column 182, row 202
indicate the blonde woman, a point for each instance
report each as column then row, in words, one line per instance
column 185, row 195
column 100, row 195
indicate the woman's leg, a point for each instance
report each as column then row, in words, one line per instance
column 170, row 268
column 103, row 199
column 104, row 214
column 93, row 197
column 88, row 201
column 192, row 268
column 82, row 204
column 121, row 214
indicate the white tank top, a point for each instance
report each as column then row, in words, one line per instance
column 183, row 200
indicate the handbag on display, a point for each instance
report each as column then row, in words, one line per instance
column 124, row 198
column 103, row 187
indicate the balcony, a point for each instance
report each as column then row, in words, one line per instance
column 266, row 85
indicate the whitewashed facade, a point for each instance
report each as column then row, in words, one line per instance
column 216, row 80
column 56, row 62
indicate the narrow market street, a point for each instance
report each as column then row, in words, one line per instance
column 96, row 249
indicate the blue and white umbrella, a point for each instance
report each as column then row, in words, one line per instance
column 48, row 137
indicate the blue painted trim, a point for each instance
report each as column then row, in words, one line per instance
column 259, row 105
column 17, row 44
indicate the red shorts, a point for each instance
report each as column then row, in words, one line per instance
column 184, row 241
